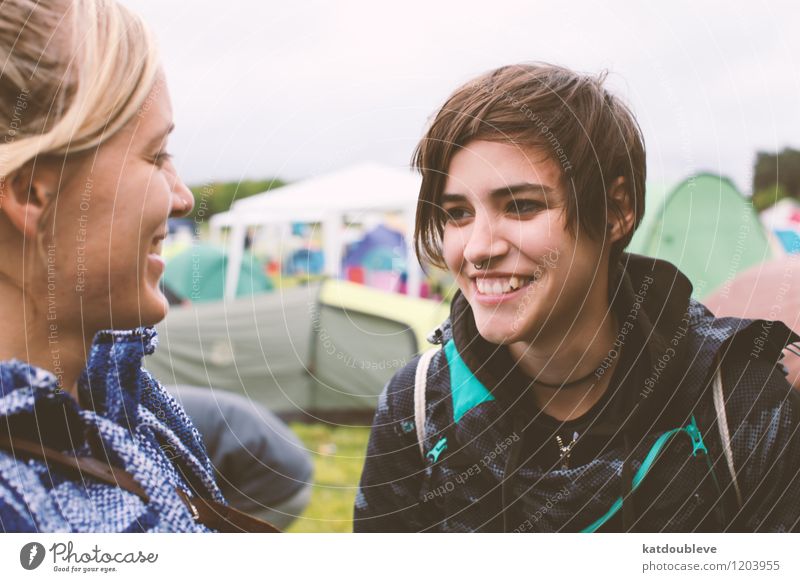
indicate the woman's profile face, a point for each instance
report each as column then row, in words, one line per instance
column 110, row 220
column 503, row 208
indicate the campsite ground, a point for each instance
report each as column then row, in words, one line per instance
column 338, row 455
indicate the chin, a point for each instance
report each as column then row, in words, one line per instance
column 498, row 332
column 510, row 329
column 154, row 308
column 159, row 311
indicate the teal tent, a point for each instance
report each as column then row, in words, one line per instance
column 198, row 274
column 706, row 228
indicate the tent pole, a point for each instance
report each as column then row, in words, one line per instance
column 415, row 274
column 235, row 254
column 414, row 283
column 332, row 244
column 215, row 226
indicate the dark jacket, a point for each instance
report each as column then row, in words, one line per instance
column 493, row 463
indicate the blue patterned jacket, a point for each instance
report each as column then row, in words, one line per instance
column 122, row 413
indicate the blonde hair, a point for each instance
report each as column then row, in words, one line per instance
column 72, row 73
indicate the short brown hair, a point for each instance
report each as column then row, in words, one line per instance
column 591, row 134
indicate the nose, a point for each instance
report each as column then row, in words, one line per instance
column 182, row 199
column 485, row 242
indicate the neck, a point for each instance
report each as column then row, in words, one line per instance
column 583, row 356
column 33, row 337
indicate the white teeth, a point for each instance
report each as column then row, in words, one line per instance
column 501, row 286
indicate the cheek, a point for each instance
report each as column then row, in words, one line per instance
column 453, row 249
column 584, row 258
column 539, row 235
column 110, row 252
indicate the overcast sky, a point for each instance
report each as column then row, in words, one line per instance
column 293, row 89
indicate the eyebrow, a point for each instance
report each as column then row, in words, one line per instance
column 512, row 190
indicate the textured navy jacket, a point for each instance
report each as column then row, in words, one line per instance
column 123, row 416
column 493, row 460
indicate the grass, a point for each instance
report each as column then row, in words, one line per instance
column 338, row 457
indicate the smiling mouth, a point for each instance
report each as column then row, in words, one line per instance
column 155, row 248
column 503, row 285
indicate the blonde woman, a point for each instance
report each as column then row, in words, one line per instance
column 89, row 441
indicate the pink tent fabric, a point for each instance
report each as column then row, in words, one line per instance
column 771, row 291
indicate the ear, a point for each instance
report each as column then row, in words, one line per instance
column 24, row 194
column 619, row 226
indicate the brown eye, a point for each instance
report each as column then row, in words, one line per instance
column 456, row 214
column 523, row 206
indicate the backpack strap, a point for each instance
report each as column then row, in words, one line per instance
column 724, row 431
column 420, row 387
column 210, row 513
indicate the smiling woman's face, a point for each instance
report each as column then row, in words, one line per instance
column 110, row 218
column 504, row 212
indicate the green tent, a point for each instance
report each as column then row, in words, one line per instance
column 315, row 352
column 198, row 274
column 705, row 227
column 656, row 195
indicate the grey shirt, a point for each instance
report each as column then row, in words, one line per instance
column 259, row 462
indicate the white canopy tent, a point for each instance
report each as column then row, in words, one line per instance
column 329, row 199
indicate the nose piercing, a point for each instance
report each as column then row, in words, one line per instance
column 479, row 266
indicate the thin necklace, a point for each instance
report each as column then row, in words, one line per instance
column 566, row 450
column 596, row 372
column 567, row 384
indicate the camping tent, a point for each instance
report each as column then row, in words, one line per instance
column 198, row 273
column 769, row 291
column 655, row 195
column 706, row 228
column 319, row 352
column 331, row 199
column 380, row 249
column 783, row 219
